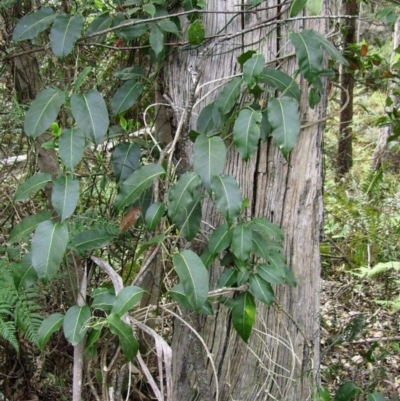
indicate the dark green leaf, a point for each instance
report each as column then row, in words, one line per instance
column 265, row 127
column 71, row 146
column 75, row 323
column 220, row 239
column 196, row 32
column 246, row 56
column 346, row 392
column 266, row 228
column 31, row 186
column 27, row 225
column 178, row 294
column 244, row 314
column 227, row 278
column 272, row 273
column 260, row 246
column 31, row 25
column 65, row 196
column 228, row 198
column 207, row 257
column 188, row 219
column 296, row 7
column 229, row 96
column 246, row 132
column 49, row 326
column 126, row 96
column 209, row 158
column 329, row 47
column 157, row 239
column 194, row 278
column 64, row 33
column 314, row 7
column 153, row 215
column 252, row 68
column 283, row 116
column 48, row 247
column 103, row 21
column 24, row 274
column 205, row 121
column 323, row 394
column 125, row 160
column 90, row 112
column 242, row 239
column 126, row 299
column 261, row 289
column 136, row 184
column 168, row 26
column 376, row 397
column 132, row 32
column 103, row 301
column 156, row 40
column 149, row 9
column 127, row 341
column 43, row 111
column 281, row 81
column 92, row 239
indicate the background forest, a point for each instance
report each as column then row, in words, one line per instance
column 122, row 190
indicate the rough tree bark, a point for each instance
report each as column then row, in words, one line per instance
column 282, row 357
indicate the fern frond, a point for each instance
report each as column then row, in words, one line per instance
column 8, row 332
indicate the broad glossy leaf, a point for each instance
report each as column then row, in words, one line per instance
column 156, row 40
column 126, row 96
column 136, row 184
column 265, row 127
column 266, row 228
column 104, row 301
column 242, row 241
column 27, row 225
column 132, row 32
column 244, row 314
column 220, row 239
column 196, row 32
column 168, row 26
column 296, row 7
column 207, row 257
column 375, row 396
column 246, row 132
column 247, row 55
column 323, row 394
column 65, row 196
column 284, row 118
column 71, row 146
column 49, row 326
column 227, row 278
column 126, row 299
column 209, row 158
column 252, row 68
column 194, row 278
column 272, row 273
column 31, row 25
column 31, row 186
column 281, row 81
column 347, row 392
column 260, row 246
column 92, row 239
column 205, row 121
column 103, row 21
column 182, row 193
column 64, row 33
column 127, row 341
column 178, row 294
column 228, row 197
column 261, row 289
column 314, row 7
column 90, row 112
column 229, row 96
column 328, row 47
column 157, row 239
column 188, row 219
column 48, row 247
column 43, row 111
column 76, row 323
column 24, row 274
column 153, row 215
column 125, row 160
column 91, row 340
column 149, row 9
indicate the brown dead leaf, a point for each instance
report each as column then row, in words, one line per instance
column 130, row 219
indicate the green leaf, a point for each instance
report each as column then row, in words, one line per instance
column 24, row 274
column 244, row 314
column 103, row 21
column 126, row 96
column 49, row 326
column 157, row 239
column 196, row 32
column 246, row 132
column 126, row 299
column 182, row 193
column 272, row 273
column 64, row 33
column 65, row 196
column 346, row 392
column 328, row 47
column 168, row 26
column 260, row 247
column 149, row 9
column 76, row 323
column 266, row 228
column 376, row 397
column 242, row 241
column 205, row 121
column 27, row 225
column 323, row 394
column 296, row 7
column 135, row 185
column 132, row 32
column 283, row 116
column 31, row 186
column 209, row 158
column 90, row 112
column 92, row 239
column 31, row 25
column 261, row 289
column 247, row 55
column 71, row 146
column 188, row 219
column 156, row 40
column 127, row 341
column 281, row 81
column 227, row 278
column 125, row 160
column 153, row 215
column 129, row 73
column 314, row 7
column 177, row 293
column 228, row 197
column 252, row 68
column 194, row 278
column 43, row 111
column 229, row 96
column 48, row 247
column 220, row 239
column 104, row 301
column 207, row 257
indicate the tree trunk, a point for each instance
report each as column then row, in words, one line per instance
column 281, row 359
column 345, row 143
